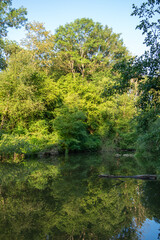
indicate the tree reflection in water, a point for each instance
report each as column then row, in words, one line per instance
column 46, row 199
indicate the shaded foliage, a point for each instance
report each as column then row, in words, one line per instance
column 149, row 87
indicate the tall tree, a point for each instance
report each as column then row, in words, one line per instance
column 19, row 84
column 85, row 47
column 41, row 43
column 9, row 17
column 149, row 12
column 149, row 63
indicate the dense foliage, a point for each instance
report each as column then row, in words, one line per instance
column 78, row 89
column 150, row 61
column 61, row 91
column 9, row 17
column 149, row 84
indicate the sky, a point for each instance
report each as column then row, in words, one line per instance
column 116, row 14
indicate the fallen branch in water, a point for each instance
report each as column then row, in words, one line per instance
column 143, row 177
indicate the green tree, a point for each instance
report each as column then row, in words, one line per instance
column 9, row 17
column 86, row 47
column 125, row 124
column 72, row 129
column 149, row 12
column 149, row 63
column 41, row 43
column 19, row 95
column 148, row 147
column 77, row 104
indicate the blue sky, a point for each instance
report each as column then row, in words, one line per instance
column 113, row 13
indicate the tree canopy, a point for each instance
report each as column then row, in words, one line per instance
column 87, row 47
column 149, row 63
column 9, row 17
column 65, row 83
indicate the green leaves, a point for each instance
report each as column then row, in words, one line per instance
column 63, row 88
column 86, row 47
column 17, row 99
column 149, row 63
column 9, row 17
column 72, row 129
column 148, row 145
column 149, row 12
column 41, row 43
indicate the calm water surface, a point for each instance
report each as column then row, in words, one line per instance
column 64, row 199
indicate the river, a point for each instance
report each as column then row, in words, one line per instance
column 62, row 198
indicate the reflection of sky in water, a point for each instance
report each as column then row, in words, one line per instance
column 150, row 230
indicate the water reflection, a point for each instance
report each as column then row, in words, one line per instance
column 65, row 199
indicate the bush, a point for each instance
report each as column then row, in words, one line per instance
column 15, row 147
column 148, row 144
column 72, row 130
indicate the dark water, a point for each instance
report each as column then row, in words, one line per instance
column 52, row 199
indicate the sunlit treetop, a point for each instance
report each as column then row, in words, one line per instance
column 11, row 17
column 85, row 46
